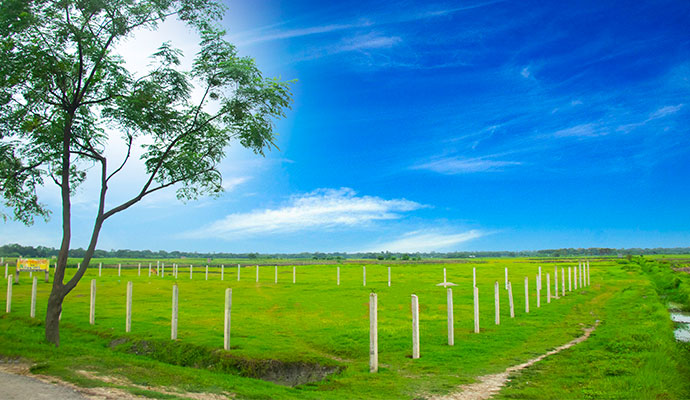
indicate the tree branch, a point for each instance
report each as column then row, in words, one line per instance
column 129, row 151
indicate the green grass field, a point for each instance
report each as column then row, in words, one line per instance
column 316, row 324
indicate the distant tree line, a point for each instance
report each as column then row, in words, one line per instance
column 16, row 250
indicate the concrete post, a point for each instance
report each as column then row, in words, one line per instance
column 510, row 300
column 191, row 272
column 580, row 276
column 8, row 308
column 222, row 272
column 92, row 304
column 444, row 276
column 415, row 327
column 119, row 269
column 47, row 276
column 588, row 276
column 6, row 270
column 506, row 273
column 34, row 286
column 555, row 281
column 338, row 276
column 149, row 270
column 476, row 310
column 228, row 309
column 497, row 307
column 275, row 273
column 162, row 270
column 238, row 272
column 128, row 322
column 548, row 288
column 451, row 330
column 575, row 277
column 539, row 279
column 173, row 323
column 526, row 296
column 16, row 276
column 158, row 268
column 139, row 270
column 563, row 282
column 207, row 272
column 257, row 273
column 364, row 276
column 100, row 265
column 294, row 274
column 389, row 276
column 474, row 277
column 570, row 281
column 538, row 293
column 373, row 334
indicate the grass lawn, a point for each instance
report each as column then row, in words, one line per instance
column 316, row 325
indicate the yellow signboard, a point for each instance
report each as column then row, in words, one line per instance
column 33, row 264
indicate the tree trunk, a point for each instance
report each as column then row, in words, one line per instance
column 53, row 315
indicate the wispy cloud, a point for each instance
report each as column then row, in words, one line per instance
column 590, row 130
column 261, row 35
column 455, row 165
column 320, row 209
column 427, row 240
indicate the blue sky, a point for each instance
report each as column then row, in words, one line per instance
column 421, row 126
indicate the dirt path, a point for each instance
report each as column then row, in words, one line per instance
column 18, row 387
column 489, row 385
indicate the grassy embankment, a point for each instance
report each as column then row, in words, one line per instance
column 315, row 321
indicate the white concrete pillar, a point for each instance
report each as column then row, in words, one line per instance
column 548, row 288
column 6, row 270
column 338, row 276
column 588, row 276
column 506, row 273
column 451, row 330
column 222, row 272
column 173, row 323
column 526, row 296
column 257, row 273
column 539, row 279
column 34, row 286
column 149, row 270
column 497, row 307
column 389, row 276
column 474, row 277
column 228, row 310
column 444, row 276
column 476, row 310
column 92, row 303
column 139, row 269
column 373, row 334
column 8, row 308
column 575, row 277
column 276, row 274
column 100, row 265
column 364, row 276
column 570, row 281
column 294, row 274
column 563, row 282
column 238, row 272
column 207, row 272
column 580, row 272
column 119, row 269
column 162, row 270
column 555, row 281
column 510, row 300
column 415, row 327
column 538, row 293
column 191, row 271
column 128, row 322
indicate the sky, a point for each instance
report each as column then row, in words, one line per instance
column 434, row 126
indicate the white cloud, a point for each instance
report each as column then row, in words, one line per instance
column 453, row 165
column 320, row 209
column 525, row 72
column 588, row 130
column 425, row 240
column 665, row 111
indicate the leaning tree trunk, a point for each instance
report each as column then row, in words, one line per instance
column 53, row 316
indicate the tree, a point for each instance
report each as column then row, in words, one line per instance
column 65, row 96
